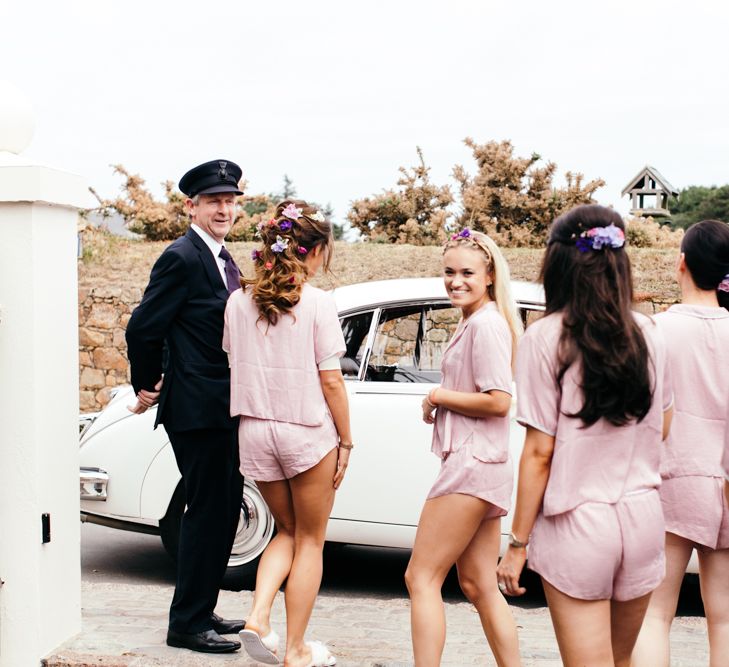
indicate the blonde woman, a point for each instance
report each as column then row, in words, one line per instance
column 284, row 341
column 461, row 519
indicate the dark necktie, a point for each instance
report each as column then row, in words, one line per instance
column 232, row 274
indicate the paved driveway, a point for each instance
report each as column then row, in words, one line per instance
column 362, row 612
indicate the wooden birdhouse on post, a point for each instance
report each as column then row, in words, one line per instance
column 649, row 192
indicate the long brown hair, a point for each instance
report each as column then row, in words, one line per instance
column 593, row 290
column 280, row 276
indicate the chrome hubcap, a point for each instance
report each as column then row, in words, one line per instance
column 254, row 533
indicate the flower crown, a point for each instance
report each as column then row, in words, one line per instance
column 290, row 214
column 597, row 238
column 465, row 233
column 724, row 284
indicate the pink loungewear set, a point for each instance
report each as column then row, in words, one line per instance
column 600, row 532
column 475, row 450
column 285, row 423
column 725, row 459
column 692, row 492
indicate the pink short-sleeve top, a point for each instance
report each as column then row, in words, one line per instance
column 273, row 369
column 725, row 459
column 602, row 462
column 477, row 359
column 699, row 360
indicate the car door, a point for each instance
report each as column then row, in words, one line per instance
column 392, row 361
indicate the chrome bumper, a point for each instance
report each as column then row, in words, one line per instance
column 93, row 483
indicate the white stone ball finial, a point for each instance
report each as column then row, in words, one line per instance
column 17, row 120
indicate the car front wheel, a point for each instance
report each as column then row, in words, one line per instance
column 255, row 529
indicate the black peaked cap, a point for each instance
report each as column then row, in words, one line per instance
column 212, row 177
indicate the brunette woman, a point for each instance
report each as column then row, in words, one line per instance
column 696, row 512
column 595, row 400
column 284, row 341
column 471, row 437
column 725, row 460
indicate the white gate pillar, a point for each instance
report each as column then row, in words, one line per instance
column 40, row 599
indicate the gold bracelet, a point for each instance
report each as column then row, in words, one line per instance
column 517, row 544
column 346, row 445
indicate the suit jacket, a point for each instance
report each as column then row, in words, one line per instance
column 178, row 329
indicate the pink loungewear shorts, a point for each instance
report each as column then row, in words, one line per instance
column 696, row 509
column 602, row 551
column 272, row 450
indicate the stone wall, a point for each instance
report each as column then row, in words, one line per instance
column 103, row 313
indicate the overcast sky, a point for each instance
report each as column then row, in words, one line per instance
column 338, row 94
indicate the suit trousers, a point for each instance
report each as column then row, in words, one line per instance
column 208, row 460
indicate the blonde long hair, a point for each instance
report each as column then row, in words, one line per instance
column 499, row 290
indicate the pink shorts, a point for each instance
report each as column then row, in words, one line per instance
column 272, row 450
column 600, row 551
column 695, row 508
column 461, row 472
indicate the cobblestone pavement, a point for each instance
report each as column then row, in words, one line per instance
column 124, row 625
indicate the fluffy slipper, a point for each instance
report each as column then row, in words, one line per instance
column 320, row 655
column 263, row 649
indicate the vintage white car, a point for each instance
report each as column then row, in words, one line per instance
column 396, row 332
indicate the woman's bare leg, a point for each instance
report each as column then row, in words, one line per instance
column 477, row 576
column 714, row 580
column 626, row 618
column 582, row 628
column 439, row 542
column 653, row 648
column 313, row 496
column 276, row 560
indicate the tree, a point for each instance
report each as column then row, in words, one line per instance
column 696, row 203
column 168, row 219
column 142, row 213
column 288, row 191
column 414, row 213
column 511, row 198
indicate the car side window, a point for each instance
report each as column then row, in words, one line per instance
column 355, row 329
column 530, row 315
column 439, row 325
column 409, row 343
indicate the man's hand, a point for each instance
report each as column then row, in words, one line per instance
column 146, row 399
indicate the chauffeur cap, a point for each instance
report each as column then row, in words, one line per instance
column 212, row 177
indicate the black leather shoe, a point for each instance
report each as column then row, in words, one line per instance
column 207, row 641
column 223, row 627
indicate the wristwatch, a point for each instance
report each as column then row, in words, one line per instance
column 517, row 544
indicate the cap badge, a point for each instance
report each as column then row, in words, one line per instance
column 222, row 172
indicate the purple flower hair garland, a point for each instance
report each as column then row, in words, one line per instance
column 597, row 238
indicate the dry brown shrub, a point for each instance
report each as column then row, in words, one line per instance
column 168, row 219
column 415, row 213
column 512, row 199
column 648, row 233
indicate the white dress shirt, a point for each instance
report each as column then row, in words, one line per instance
column 215, row 247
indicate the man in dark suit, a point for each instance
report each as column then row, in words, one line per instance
column 174, row 340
